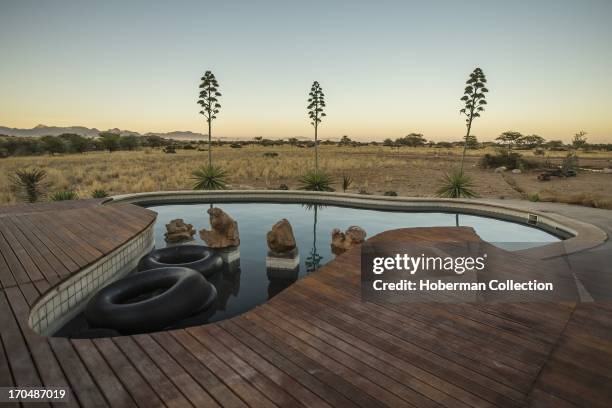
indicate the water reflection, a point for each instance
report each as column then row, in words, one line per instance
column 313, row 260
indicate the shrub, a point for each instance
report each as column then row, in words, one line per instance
column 363, row 191
column 270, row 154
column 316, row 180
column 236, row 146
column 64, row 195
column 456, row 184
column 283, row 187
column 390, row 194
column 30, row 183
column 99, row 194
column 538, row 152
column 209, row 178
column 169, row 149
column 535, row 197
column 510, row 160
column 346, row 182
column 569, row 166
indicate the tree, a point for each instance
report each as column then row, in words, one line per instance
column 388, row 142
column 471, row 142
column 474, row 98
column 76, row 143
column 580, row 140
column 411, row 140
column 53, row 144
column 345, row 141
column 509, row 137
column 210, row 104
column 555, row 144
column 316, row 104
column 129, row 142
column 532, row 141
column 109, row 141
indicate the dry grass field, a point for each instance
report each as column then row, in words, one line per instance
column 374, row 169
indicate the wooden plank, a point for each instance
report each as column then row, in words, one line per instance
column 223, row 371
column 324, row 391
column 26, row 225
column 165, row 389
column 134, row 383
column 198, row 371
column 266, row 386
column 6, row 277
column 83, row 387
column 188, row 386
column 105, row 378
column 337, row 382
column 42, row 355
column 34, row 245
column 14, row 260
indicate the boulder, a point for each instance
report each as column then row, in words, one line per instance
column 223, row 232
column 281, row 238
column 343, row 241
column 178, row 231
column 501, row 169
column 517, row 171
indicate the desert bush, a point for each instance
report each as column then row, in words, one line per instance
column 29, row 183
column 236, row 146
column 316, row 180
column 270, row 154
column 456, row 184
column 570, row 164
column 169, row 149
column 209, row 178
column 283, row 187
column 390, row 194
column 510, row 160
column 64, row 195
column 363, row 191
column 99, row 194
column 538, row 152
column 346, row 182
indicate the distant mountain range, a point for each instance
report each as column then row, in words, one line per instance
column 43, row 130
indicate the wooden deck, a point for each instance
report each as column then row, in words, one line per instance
column 315, row 344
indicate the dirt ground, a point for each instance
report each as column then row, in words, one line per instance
column 373, row 169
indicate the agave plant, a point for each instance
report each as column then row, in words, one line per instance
column 99, row 194
column 209, row 178
column 346, row 182
column 64, row 195
column 30, row 183
column 316, row 180
column 456, row 184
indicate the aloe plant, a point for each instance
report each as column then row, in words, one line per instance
column 30, row 183
column 456, row 184
column 64, row 195
column 316, row 180
column 210, row 178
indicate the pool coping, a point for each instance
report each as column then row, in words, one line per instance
column 581, row 235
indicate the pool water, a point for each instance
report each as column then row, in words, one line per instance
column 249, row 285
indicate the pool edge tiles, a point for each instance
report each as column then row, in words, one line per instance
column 65, row 300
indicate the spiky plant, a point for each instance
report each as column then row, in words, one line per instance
column 64, row 195
column 347, row 181
column 30, row 184
column 209, row 102
column 210, row 178
column 316, row 104
column 456, row 184
column 99, row 194
column 474, row 101
column 316, row 180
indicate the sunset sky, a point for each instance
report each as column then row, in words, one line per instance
column 388, row 68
